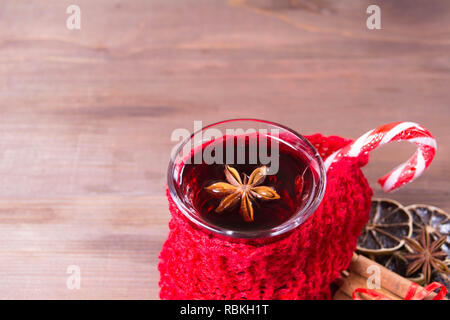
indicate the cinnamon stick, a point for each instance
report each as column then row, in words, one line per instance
column 355, row 280
column 389, row 281
column 340, row 295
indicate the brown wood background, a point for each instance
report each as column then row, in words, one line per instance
column 86, row 115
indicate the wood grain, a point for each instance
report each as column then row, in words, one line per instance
column 86, row 116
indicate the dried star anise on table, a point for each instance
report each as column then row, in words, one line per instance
column 435, row 220
column 246, row 191
column 427, row 255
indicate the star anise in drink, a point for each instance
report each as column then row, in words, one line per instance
column 427, row 255
column 246, row 191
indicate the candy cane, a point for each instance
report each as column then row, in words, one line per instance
column 397, row 131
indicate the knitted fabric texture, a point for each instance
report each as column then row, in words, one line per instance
column 197, row 264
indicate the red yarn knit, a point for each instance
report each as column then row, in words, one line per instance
column 195, row 264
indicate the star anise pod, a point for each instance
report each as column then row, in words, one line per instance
column 246, row 191
column 427, row 255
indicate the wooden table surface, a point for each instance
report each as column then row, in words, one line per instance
column 86, row 115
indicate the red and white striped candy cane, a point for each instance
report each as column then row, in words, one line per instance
column 397, row 131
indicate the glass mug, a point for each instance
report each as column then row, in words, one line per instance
column 292, row 153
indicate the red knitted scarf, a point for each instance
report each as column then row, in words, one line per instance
column 196, row 264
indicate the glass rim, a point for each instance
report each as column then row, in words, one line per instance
column 297, row 218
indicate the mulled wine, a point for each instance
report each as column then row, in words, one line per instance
column 273, row 197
